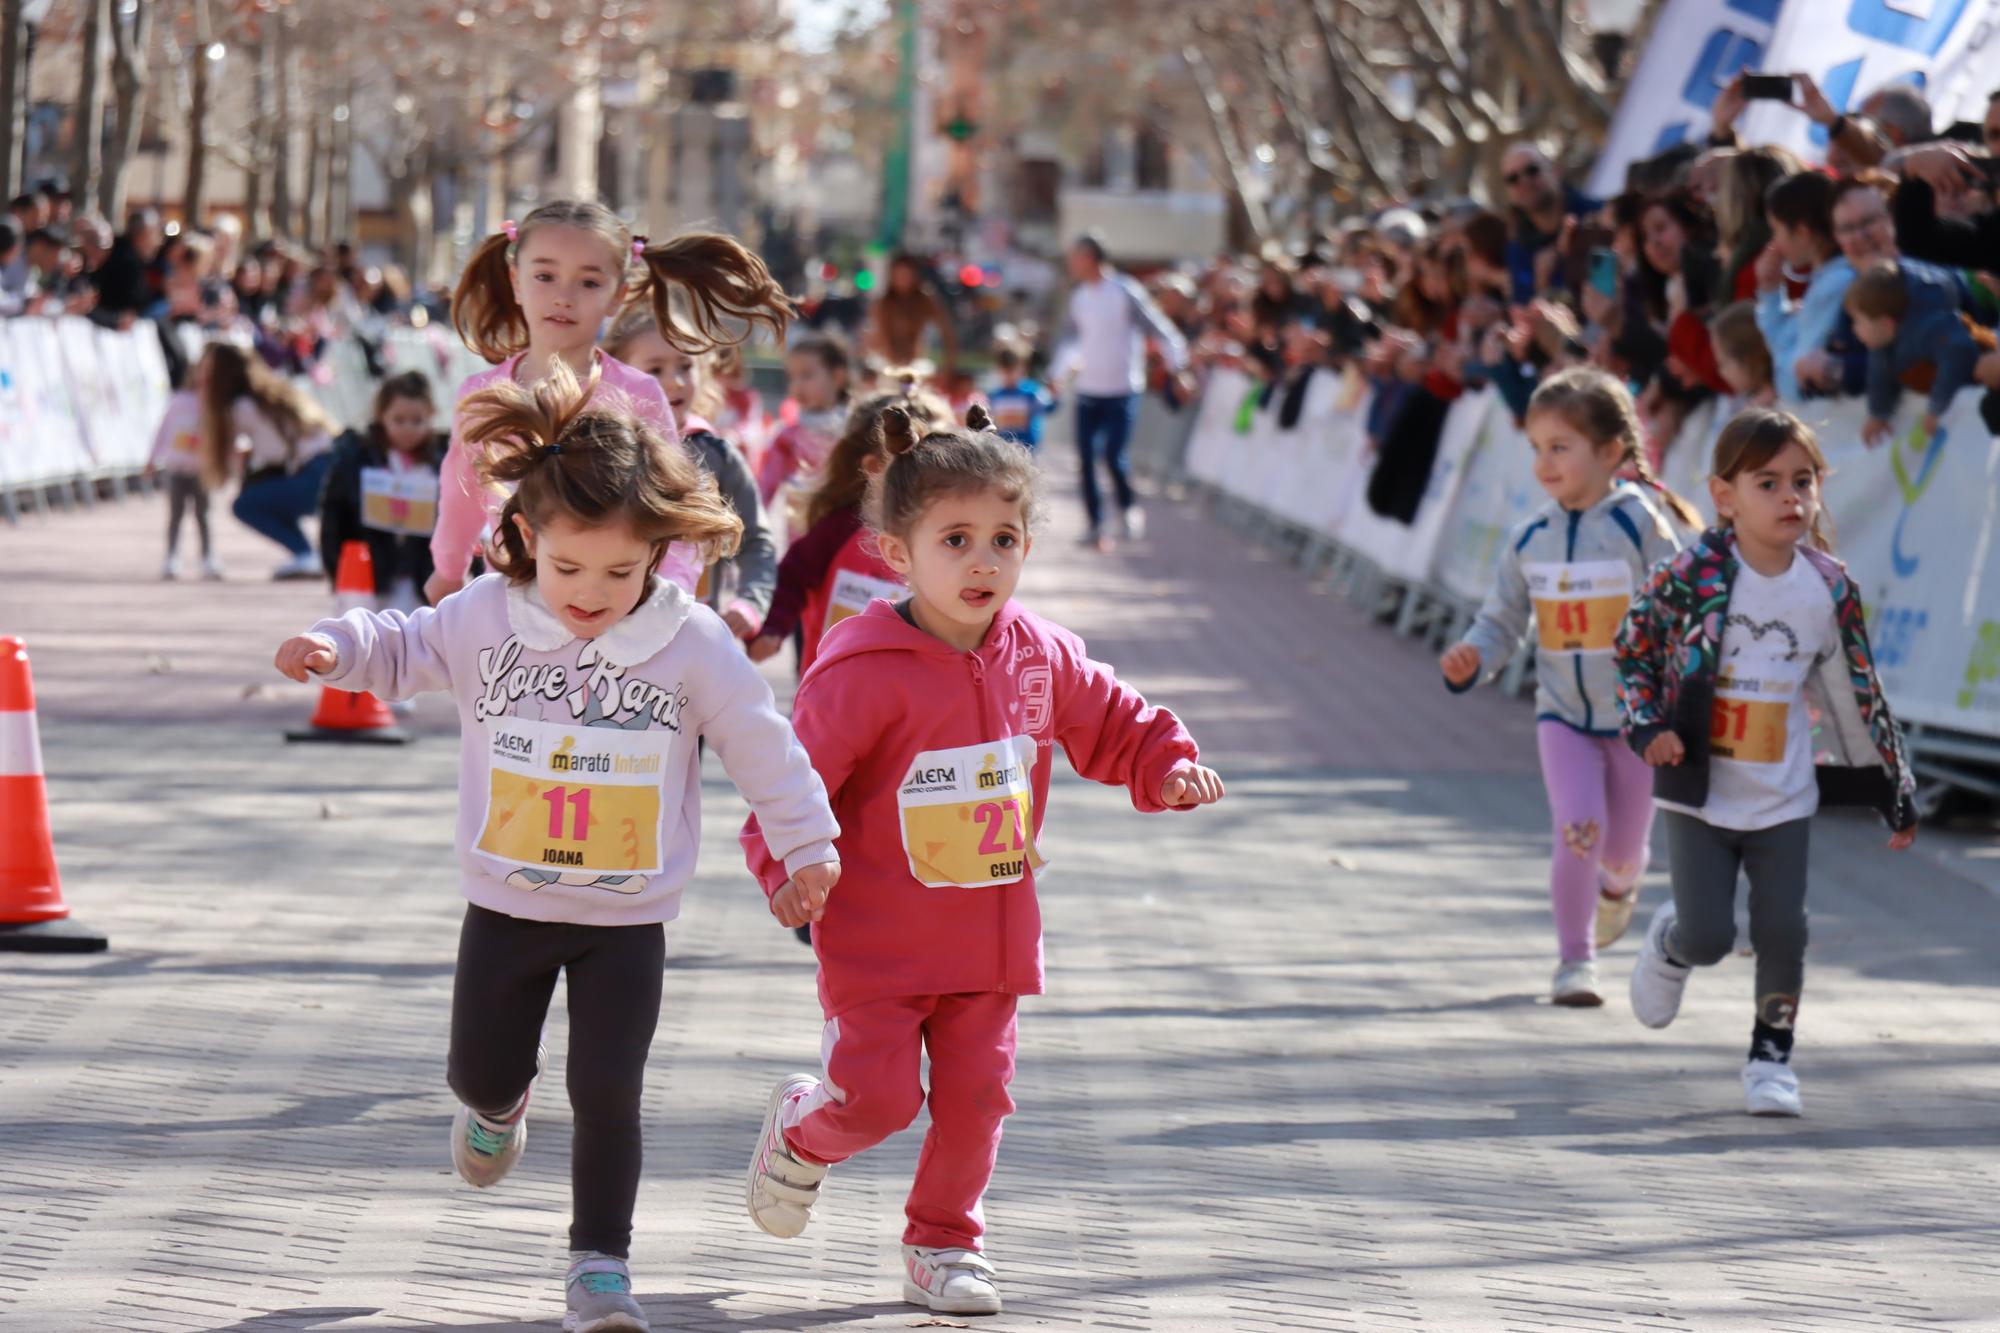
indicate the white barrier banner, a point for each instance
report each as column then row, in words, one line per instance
column 1917, row 521
column 1696, row 47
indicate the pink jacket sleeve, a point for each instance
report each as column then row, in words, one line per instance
column 837, row 725
column 1112, row 735
column 775, row 468
column 464, row 506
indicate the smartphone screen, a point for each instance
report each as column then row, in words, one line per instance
column 1767, row 87
column 1604, row 271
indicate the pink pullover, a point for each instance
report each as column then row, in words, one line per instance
column 579, row 780
column 465, row 507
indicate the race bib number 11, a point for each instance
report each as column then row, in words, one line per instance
column 566, row 798
column 968, row 815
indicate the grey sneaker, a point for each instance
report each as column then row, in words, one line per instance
column 1576, row 986
column 949, row 1281
column 599, row 1294
column 1657, row 981
column 1132, row 524
column 484, row 1150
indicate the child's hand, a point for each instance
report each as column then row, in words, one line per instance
column 1875, row 431
column 803, row 898
column 1191, row 785
column 1666, row 751
column 764, row 647
column 439, row 586
column 306, row 654
column 739, row 624
column 1902, row 842
column 1460, row 663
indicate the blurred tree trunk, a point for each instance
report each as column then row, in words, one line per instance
column 87, row 150
column 130, row 44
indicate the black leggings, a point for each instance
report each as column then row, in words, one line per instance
column 500, row 996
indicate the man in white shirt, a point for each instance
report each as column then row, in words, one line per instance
column 1104, row 354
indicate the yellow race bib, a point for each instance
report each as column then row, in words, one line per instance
column 567, row 798
column 968, row 815
column 852, row 591
column 1746, row 727
column 405, row 503
column 1578, row 605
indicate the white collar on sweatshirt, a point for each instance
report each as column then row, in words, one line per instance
column 631, row 641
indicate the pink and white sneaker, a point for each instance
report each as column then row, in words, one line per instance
column 949, row 1281
column 781, row 1189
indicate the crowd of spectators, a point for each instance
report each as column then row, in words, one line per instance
column 290, row 302
column 1721, row 269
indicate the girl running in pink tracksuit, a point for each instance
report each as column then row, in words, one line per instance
column 538, row 292
column 933, row 723
column 584, row 683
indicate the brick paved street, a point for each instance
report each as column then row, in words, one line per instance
column 1294, row 1072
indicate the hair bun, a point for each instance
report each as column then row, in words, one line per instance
column 978, row 418
column 899, row 432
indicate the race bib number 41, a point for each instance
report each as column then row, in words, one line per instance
column 1578, row 606
column 968, row 815
column 566, row 798
column 405, row 503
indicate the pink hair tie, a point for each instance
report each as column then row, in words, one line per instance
column 638, row 247
column 510, row 231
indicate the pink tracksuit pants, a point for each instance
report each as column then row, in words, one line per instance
column 873, row 1088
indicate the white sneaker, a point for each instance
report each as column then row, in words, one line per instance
column 1614, row 915
column 781, row 1190
column 1132, row 524
column 949, row 1281
column 1576, row 985
column 211, row 569
column 1770, row 1088
column 171, row 569
column 403, row 707
column 1657, row 982
column 305, row 565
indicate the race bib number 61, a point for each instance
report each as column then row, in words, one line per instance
column 968, row 815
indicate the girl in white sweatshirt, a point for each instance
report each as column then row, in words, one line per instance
column 584, row 682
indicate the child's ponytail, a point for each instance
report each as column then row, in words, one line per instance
column 863, row 448
column 727, row 289
column 1600, row 408
column 573, row 458
column 483, row 310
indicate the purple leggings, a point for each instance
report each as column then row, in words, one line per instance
column 1601, row 802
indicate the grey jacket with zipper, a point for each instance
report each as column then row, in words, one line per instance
column 1571, row 574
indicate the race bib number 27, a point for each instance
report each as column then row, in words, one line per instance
column 968, row 815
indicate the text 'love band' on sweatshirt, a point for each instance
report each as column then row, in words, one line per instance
column 579, row 777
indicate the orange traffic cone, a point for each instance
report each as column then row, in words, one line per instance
column 344, row 716
column 33, row 917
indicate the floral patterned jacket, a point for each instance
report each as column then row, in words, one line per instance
column 1667, row 651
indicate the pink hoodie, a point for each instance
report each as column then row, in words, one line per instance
column 465, row 507
column 929, row 756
